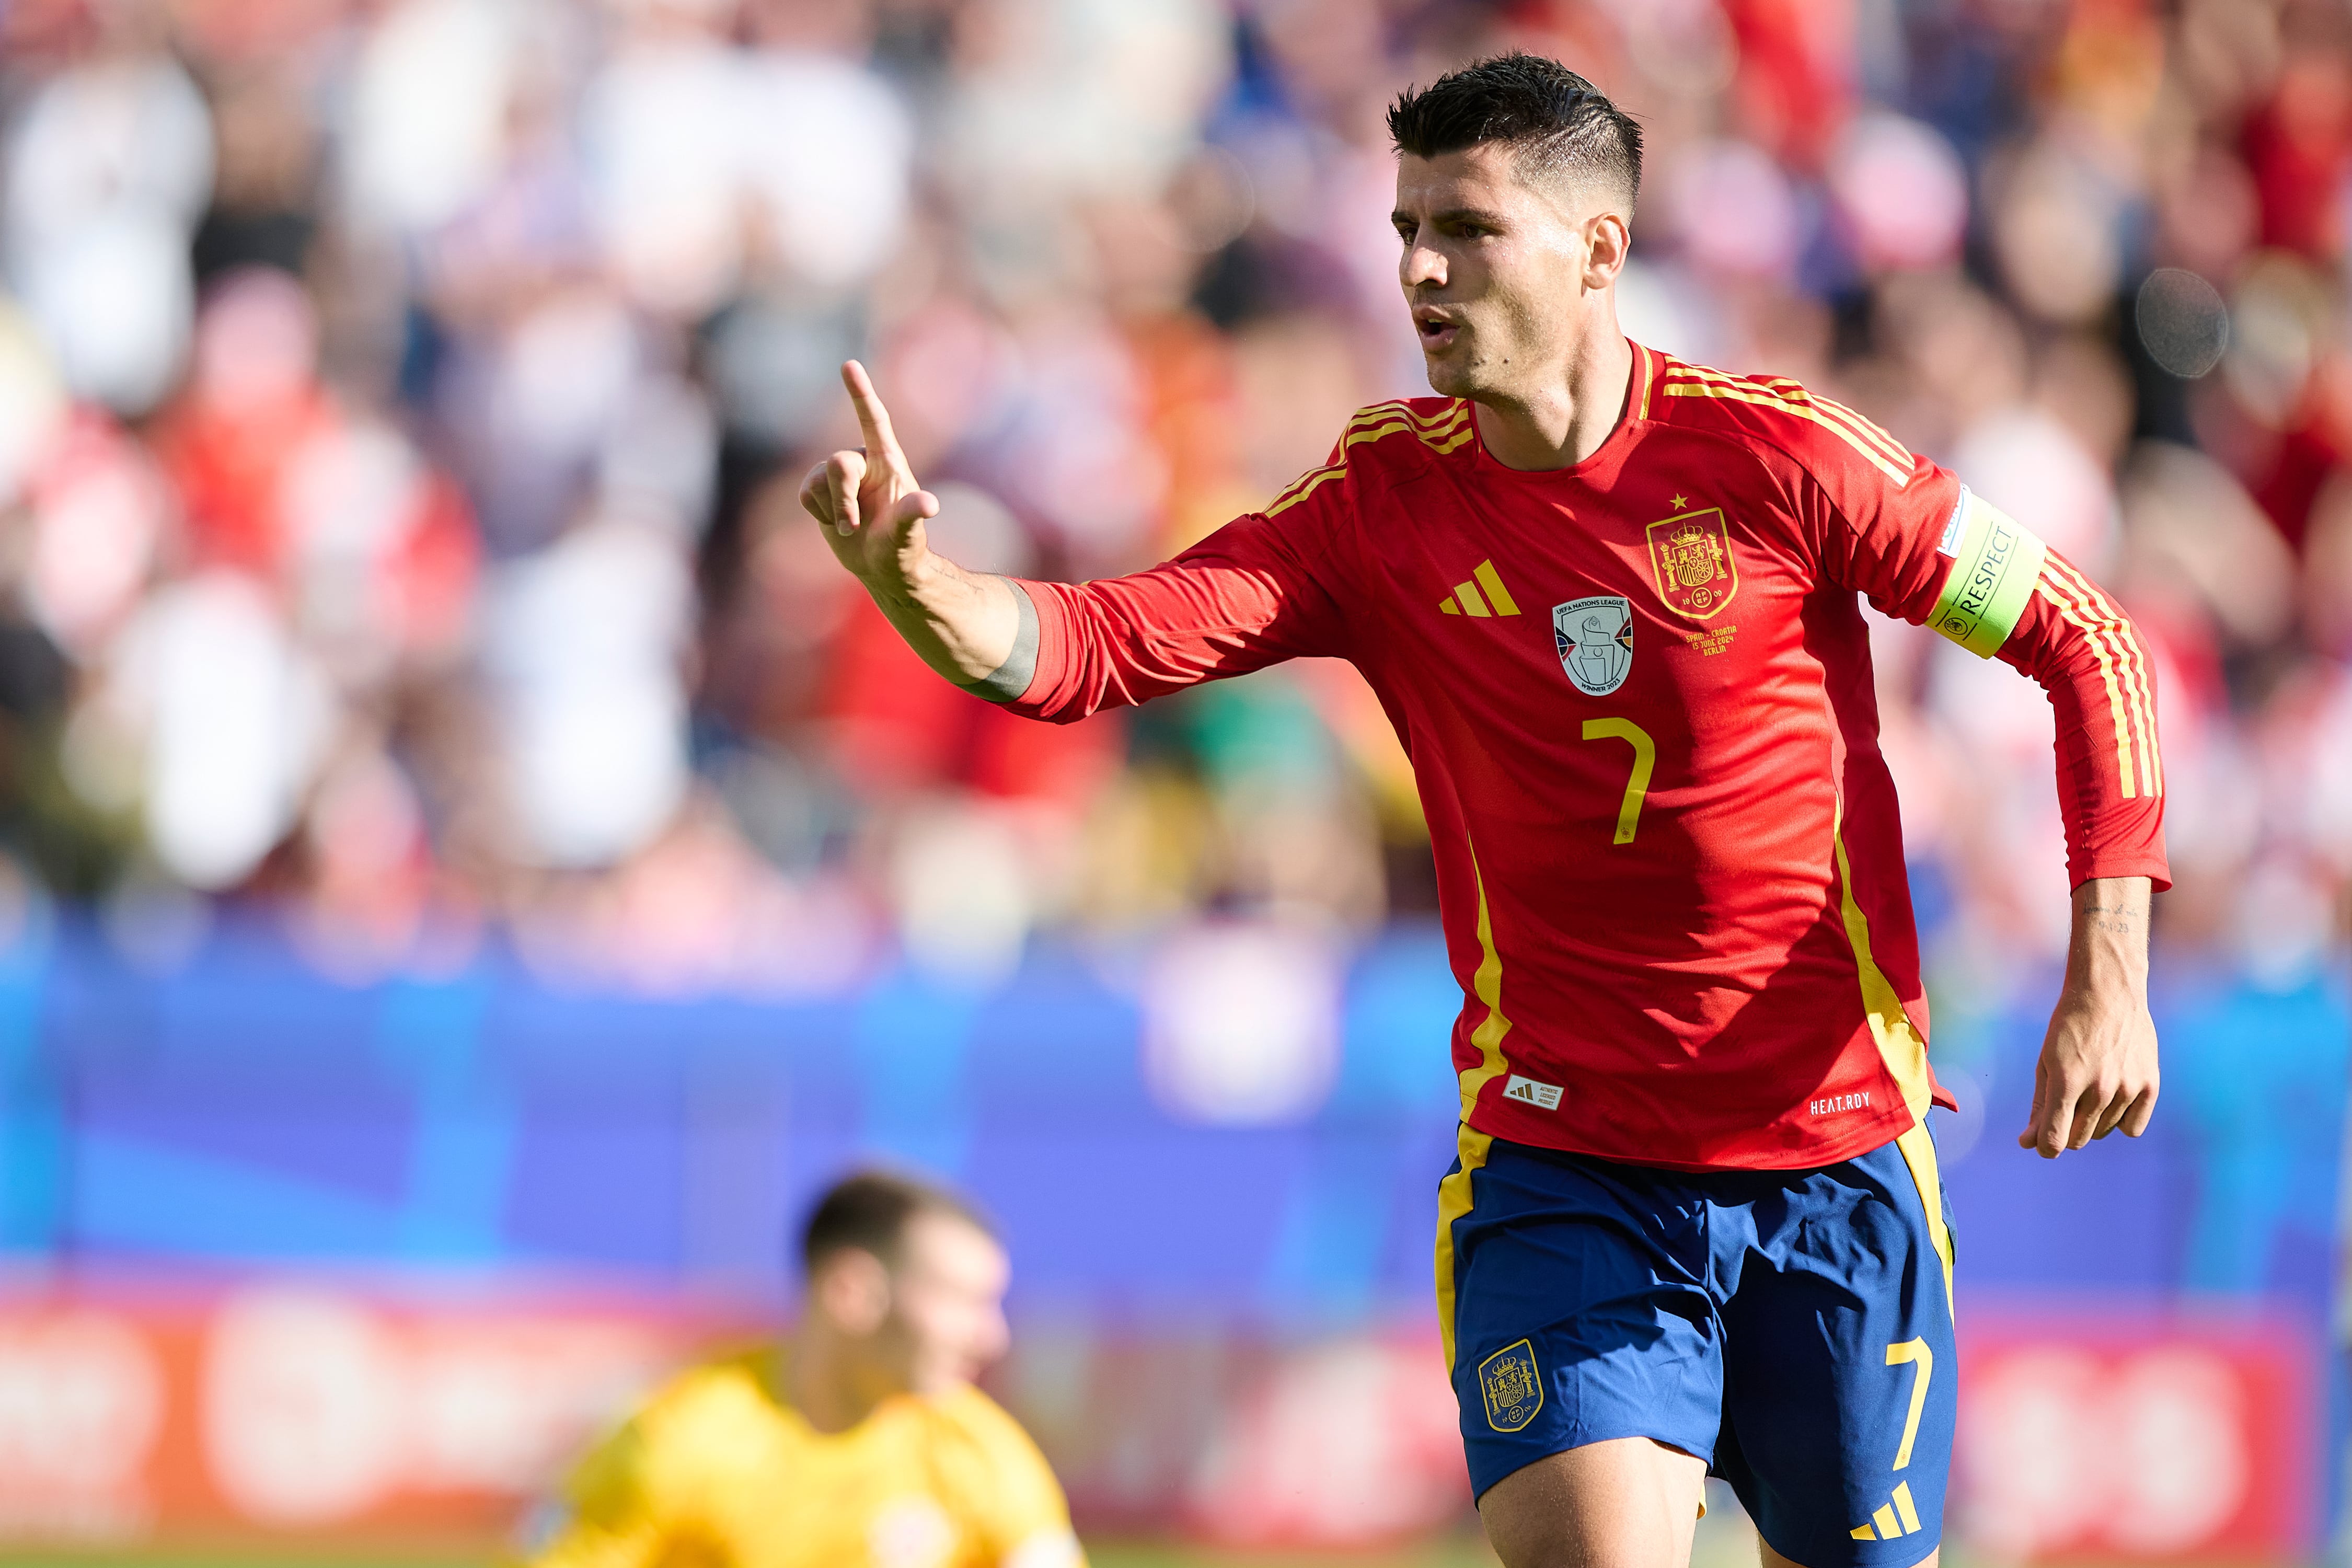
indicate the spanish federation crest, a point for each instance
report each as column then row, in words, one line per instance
column 1690, row 556
column 1512, row 1387
column 1595, row 637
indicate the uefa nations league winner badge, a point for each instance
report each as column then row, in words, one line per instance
column 1596, row 642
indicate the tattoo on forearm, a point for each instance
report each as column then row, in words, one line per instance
column 2114, row 920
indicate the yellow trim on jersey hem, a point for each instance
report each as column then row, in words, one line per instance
column 1487, row 983
column 1453, row 1192
column 1902, row 1050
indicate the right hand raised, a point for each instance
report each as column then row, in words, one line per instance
column 867, row 503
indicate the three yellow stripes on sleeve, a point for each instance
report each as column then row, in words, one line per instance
column 2123, row 669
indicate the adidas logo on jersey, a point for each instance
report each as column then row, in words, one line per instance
column 1467, row 599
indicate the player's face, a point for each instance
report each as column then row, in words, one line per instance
column 947, row 1304
column 1500, row 271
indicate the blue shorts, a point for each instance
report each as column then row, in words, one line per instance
column 1791, row 1327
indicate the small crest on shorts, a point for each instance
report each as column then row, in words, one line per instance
column 1511, row 1386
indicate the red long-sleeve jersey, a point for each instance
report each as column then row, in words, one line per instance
column 1637, row 696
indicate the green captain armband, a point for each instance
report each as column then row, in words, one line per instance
column 1996, row 560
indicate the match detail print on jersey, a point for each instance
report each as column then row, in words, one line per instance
column 1996, row 560
column 1595, row 639
column 1690, row 555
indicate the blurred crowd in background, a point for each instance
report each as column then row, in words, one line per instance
column 402, row 404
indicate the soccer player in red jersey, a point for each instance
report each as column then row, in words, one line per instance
column 1695, row 1222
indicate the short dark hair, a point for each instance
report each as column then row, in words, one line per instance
column 1554, row 120
column 870, row 1210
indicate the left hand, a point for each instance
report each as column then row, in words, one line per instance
column 2098, row 1071
column 2099, row 1067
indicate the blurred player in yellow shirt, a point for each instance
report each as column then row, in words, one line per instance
column 860, row 1443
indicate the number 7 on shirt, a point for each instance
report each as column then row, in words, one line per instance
column 1637, row 784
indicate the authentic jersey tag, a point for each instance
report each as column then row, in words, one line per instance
column 1595, row 639
column 1996, row 560
column 1527, row 1091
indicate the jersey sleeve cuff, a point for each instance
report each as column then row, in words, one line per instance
column 2090, row 867
column 1028, row 682
column 1008, row 682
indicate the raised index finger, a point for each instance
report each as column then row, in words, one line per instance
column 881, row 442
